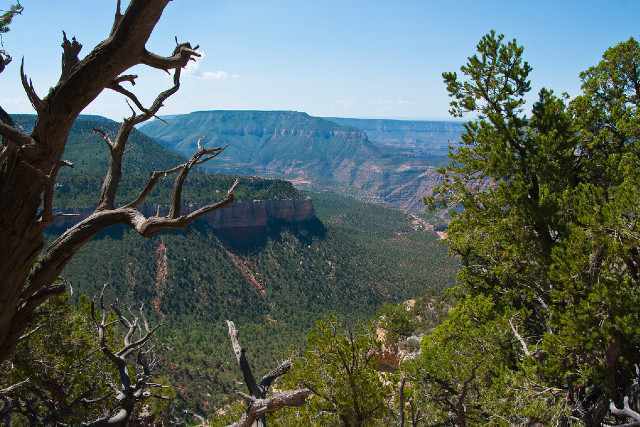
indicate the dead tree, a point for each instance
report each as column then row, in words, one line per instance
column 29, row 164
column 135, row 357
column 630, row 416
column 625, row 412
column 258, row 404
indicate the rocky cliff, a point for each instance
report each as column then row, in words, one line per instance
column 245, row 225
column 261, row 213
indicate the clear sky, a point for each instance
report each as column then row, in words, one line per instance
column 368, row 58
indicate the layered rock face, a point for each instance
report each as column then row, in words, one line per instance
column 422, row 138
column 260, row 213
column 254, row 214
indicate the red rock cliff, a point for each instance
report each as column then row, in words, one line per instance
column 241, row 214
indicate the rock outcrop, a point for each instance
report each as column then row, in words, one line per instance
column 261, row 213
column 242, row 214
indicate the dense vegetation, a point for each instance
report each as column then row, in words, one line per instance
column 543, row 324
column 358, row 259
column 553, row 241
column 363, row 260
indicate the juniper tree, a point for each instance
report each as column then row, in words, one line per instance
column 549, row 225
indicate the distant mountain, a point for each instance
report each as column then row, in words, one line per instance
column 317, row 153
column 305, row 149
column 427, row 138
column 79, row 187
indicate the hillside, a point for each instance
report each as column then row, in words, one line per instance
column 360, row 257
column 303, row 148
column 79, row 186
column 312, row 152
column 313, row 253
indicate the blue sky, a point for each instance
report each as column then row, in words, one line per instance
column 328, row 58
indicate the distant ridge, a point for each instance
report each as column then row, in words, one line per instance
column 424, row 136
column 390, row 161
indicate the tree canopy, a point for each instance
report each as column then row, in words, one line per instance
column 549, row 218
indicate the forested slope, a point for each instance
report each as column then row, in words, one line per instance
column 351, row 259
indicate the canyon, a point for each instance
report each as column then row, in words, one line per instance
column 392, row 162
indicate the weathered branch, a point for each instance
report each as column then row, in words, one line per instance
column 118, row 88
column 203, row 155
column 132, row 389
column 521, row 340
column 282, row 369
column 626, row 411
column 259, row 408
column 182, row 54
column 196, row 159
column 243, row 363
column 259, row 405
column 104, row 136
column 131, row 78
column 27, row 84
column 70, row 51
column 114, row 174
column 13, row 387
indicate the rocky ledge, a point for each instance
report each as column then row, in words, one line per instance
column 241, row 214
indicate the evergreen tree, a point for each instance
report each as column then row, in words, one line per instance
column 549, row 221
column 338, row 367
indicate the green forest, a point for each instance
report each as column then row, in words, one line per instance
column 511, row 299
column 541, row 327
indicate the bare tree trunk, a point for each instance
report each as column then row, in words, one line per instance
column 29, row 164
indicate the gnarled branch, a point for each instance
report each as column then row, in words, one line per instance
column 201, row 156
column 259, row 408
column 243, row 363
column 114, row 173
column 135, row 377
column 259, row 405
column 627, row 412
column 182, row 54
column 70, row 51
column 282, row 369
column 27, row 84
column 104, row 136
